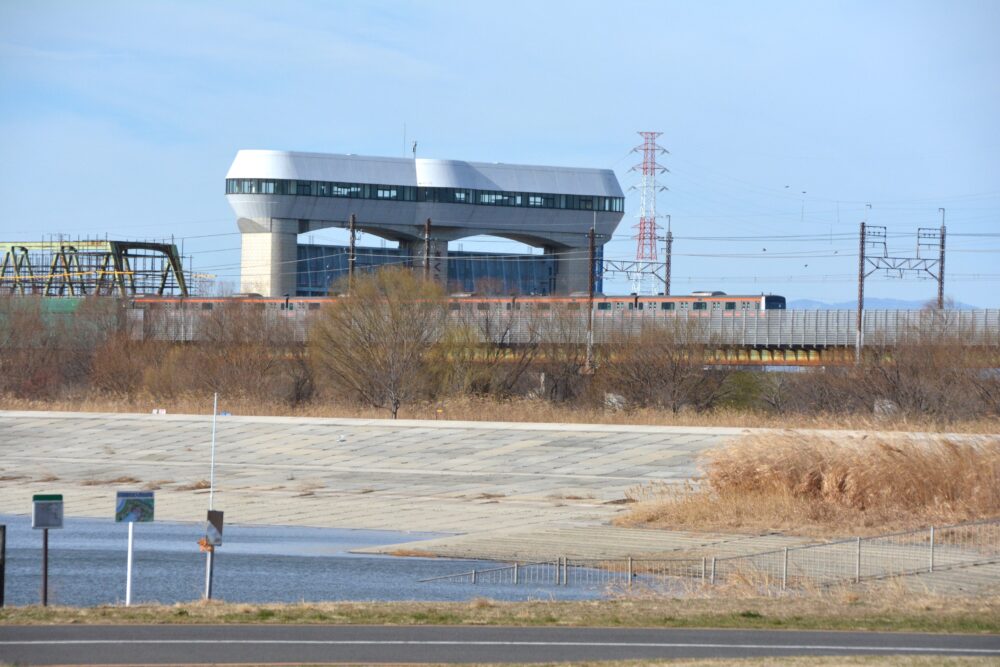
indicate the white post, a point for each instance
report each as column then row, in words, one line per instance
column 128, row 567
column 211, row 475
column 210, row 554
column 784, row 569
column 208, row 574
column 857, row 564
column 931, row 569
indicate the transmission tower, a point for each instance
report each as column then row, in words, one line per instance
column 646, row 235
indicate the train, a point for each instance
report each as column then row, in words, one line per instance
column 696, row 303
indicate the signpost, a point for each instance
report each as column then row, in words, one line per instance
column 132, row 506
column 212, row 539
column 46, row 512
column 213, row 530
column 3, row 562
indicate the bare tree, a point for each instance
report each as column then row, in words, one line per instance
column 489, row 347
column 562, row 355
column 663, row 364
column 374, row 343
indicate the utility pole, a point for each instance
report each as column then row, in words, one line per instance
column 351, row 256
column 941, row 265
column 588, row 365
column 427, row 249
column 861, row 294
column 666, row 262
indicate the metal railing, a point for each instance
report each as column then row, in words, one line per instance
column 812, row 565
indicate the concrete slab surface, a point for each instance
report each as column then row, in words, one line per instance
column 456, row 477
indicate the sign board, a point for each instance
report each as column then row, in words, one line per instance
column 133, row 506
column 213, row 528
column 47, row 510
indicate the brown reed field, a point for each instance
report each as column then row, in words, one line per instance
column 830, row 485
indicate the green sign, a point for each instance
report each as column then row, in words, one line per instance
column 131, row 506
column 47, row 510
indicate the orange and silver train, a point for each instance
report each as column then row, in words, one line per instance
column 697, row 303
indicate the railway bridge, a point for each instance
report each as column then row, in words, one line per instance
column 777, row 337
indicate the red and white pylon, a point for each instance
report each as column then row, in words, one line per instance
column 646, row 234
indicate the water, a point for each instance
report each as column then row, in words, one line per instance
column 257, row 564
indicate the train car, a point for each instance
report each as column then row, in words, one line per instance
column 694, row 304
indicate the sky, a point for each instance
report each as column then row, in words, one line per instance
column 783, row 120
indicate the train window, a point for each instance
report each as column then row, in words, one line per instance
column 631, row 305
column 700, row 305
column 666, row 305
column 716, row 305
column 313, row 306
column 730, row 305
column 543, row 306
column 206, row 306
column 604, row 305
column 641, row 305
column 454, row 306
column 482, row 306
column 572, row 306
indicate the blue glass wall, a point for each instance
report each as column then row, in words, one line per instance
column 319, row 266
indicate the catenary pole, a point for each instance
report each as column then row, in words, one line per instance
column 592, row 255
column 351, row 252
column 861, row 294
column 666, row 260
column 427, row 249
column 940, row 299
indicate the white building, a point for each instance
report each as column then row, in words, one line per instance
column 278, row 195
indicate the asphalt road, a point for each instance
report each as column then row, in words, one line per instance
column 261, row 644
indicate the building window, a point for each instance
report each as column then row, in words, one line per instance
column 410, row 193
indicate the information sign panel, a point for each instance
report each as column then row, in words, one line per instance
column 132, row 506
column 213, row 528
column 47, row 510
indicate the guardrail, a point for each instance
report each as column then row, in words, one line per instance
column 813, row 565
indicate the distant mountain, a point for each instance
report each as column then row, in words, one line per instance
column 873, row 303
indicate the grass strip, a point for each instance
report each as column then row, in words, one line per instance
column 914, row 614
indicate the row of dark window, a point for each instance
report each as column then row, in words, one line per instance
column 256, row 186
column 618, row 305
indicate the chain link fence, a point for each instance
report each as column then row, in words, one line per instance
column 814, row 565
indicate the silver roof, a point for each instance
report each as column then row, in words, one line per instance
column 423, row 172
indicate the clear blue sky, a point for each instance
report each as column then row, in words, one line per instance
column 121, row 118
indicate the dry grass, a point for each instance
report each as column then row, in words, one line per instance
column 199, row 485
column 830, row 485
column 864, row 610
column 876, row 610
column 514, row 410
column 124, row 479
